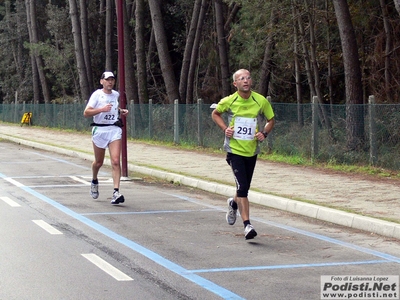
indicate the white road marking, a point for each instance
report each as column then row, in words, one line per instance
column 14, row 182
column 50, row 229
column 80, row 180
column 10, row 202
column 106, row 267
column 89, row 181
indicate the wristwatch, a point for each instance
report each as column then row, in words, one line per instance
column 265, row 134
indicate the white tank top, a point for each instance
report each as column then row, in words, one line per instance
column 99, row 99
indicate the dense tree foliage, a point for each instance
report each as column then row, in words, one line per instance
column 55, row 50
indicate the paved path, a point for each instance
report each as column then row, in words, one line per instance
column 355, row 201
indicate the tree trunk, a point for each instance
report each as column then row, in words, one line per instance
column 317, row 82
column 266, row 67
column 35, row 75
column 222, row 49
column 351, row 62
column 80, row 60
column 141, row 52
column 297, row 71
column 39, row 69
column 329, row 66
column 188, row 50
column 167, row 68
column 15, row 48
column 109, row 35
column 232, row 15
column 306, row 55
column 388, row 49
column 131, row 86
column 397, row 5
column 85, row 43
column 195, row 53
column 151, row 54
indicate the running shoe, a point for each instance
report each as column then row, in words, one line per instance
column 249, row 232
column 117, row 198
column 231, row 214
column 94, row 190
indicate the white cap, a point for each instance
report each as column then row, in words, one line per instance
column 107, row 75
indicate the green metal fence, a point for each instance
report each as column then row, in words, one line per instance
column 298, row 131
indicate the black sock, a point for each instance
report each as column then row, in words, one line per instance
column 116, row 190
column 245, row 223
column 95, row 181
column 234, row 204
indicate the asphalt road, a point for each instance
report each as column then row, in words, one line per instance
column 165, row 242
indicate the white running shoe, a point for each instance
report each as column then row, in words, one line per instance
column 94, row 190
column 249, row 232
column 231, row 214
column 117, row 198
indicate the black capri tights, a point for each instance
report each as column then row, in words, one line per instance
column 243, row 169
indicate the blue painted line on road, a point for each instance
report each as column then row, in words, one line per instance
column 206, row 284
column 314, row 265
